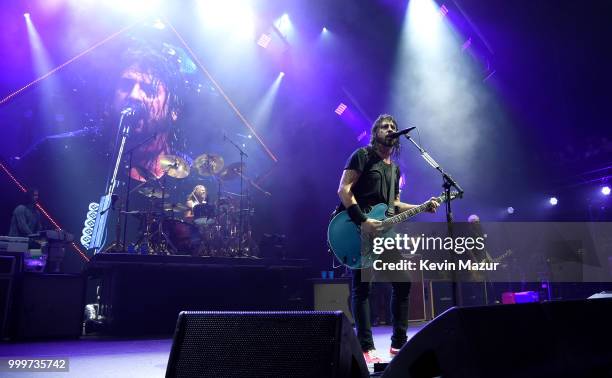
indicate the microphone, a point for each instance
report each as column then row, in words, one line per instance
column 133, row 109
column 397, row 134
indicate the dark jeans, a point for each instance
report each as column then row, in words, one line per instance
column 400, row 297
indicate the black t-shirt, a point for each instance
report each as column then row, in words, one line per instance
column 373, row 185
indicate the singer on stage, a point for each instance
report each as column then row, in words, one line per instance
column 370, row 177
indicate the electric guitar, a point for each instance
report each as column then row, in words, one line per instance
column 352, row 248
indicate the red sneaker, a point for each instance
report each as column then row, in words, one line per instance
column 371, row 357
column 393, row 351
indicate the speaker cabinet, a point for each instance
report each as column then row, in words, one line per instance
column 49, row 306
column 265, row 344
column 553, row 339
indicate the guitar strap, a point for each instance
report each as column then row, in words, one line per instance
column 391, row 193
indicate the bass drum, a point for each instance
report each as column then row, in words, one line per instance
column 184, row 237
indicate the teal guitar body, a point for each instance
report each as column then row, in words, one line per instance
column 344, row 238
column 355, row 251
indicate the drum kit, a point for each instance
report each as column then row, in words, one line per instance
column 210, row 228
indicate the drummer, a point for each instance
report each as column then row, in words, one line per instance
column 198, row 196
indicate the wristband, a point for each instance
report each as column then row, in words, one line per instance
column 356, row 215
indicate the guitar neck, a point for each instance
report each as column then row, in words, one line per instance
column 406, row 214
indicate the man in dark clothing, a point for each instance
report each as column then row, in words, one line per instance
column 370, row 178
column 26, row 217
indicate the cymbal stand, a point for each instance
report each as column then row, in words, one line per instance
column 160, row 230
column 146, row 235
column 242, row 169
column 130, row 152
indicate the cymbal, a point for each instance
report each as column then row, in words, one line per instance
column 174, row 166
column 152, row 192
column 178, row 207
column 208, row 164
column 233, row 171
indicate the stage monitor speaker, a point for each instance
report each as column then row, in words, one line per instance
column 49, row 306
column 265, row 344
column 554, row 339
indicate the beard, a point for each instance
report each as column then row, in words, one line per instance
column 387, row 142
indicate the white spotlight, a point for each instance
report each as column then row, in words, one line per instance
column 510, row 210
column 553, row 201
column 233, row 17
column 605, row 190
column 284, row 25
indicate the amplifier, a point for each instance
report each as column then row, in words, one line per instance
column 333, row 295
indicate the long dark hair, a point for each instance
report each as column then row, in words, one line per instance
column 160, row 61
column 395, row 151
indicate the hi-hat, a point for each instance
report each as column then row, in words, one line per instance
column 174, row 166
column 208, row 164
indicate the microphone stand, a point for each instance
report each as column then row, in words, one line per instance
column 129, row 180
column 106, row 200
column 447, row 183
column 242, row 156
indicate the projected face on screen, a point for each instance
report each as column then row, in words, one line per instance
column 136, row 85
column 68, row 127
column 145, row 83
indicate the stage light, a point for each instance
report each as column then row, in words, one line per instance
column 27, row 16
column 605, row 190
column 340, row 109
column 510, row 210
column 264, row 40
column 424, row 24
column 443, row 11
column 158, row 24
column 326, row 37
column 284, row 26
column 283, row 21
column 553, row 201
column 234, row 17
column 281, row 74
column 133, row 7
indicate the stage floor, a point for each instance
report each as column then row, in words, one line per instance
column 133, row 358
